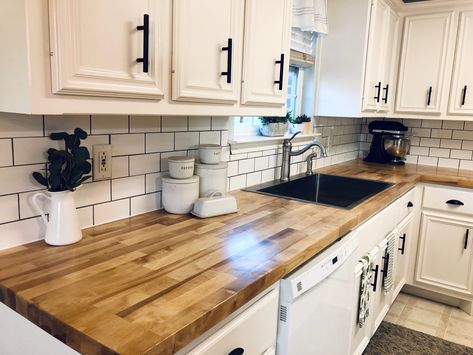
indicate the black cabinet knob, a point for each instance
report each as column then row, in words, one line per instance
column 410, row 204
column 237, row 351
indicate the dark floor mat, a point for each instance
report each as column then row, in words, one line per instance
column 394, row 339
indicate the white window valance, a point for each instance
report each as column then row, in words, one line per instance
column 303, row 41
column 310, row 15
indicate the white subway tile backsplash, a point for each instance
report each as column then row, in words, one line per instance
column 16, row 125
column 154, row 182
column 210, row 137
column 21, row 232
column 468, row 126
column 262, row 163
column 450, row 144
column 159, row 142
column 174, row 123
column 199, row 123
column 120, row 166
column 187, row 140
column 145, row 124
column 109, row 124
column 111, row 211
column 439, row 152
column 255, row 154
column 466, row 135
column 6, row 153
column 466, row 164
column 224, row 138
column 421, row 132
column 66, row 123
column 127, row 187
column 461, row 154
column 145, row 203
column 442, row 133
column 9, row 208
column 232, row 168
column 253, row 178
column 126, row 144
column 237, row 182
column 430, row 142
column 93, row 193
column 448, row 163
column 431, row 124
column 220, row 123
column 86, row 216
column 467, row 145
column 19, row 179
column 26, row 208
column 93, row 140
column 145, row 163
column 453, row 124
column 246, row 166
column 432, row 161
column 33, row 150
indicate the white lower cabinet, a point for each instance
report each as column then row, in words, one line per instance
column 402, row 251
column 382, row 299
column 251, row 332
column 445, row 257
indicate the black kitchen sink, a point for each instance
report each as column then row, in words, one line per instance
column 330, row 190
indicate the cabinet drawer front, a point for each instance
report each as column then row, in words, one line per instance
column 407, row 204
column 254, row 330
column 448, row 199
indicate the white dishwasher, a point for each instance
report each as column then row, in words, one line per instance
column 316, row 303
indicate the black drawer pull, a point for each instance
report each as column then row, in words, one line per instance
column 410, row 204
column 281, row 72
column 403, row 245
column 229, row 49
column 467, row 235
column 375, row 283
column 386, row 266
column 378, row 92
column 455, row 203
column 429, row 96
column 237, row 351
column 145, row 29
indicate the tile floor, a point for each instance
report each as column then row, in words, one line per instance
column 433, row 318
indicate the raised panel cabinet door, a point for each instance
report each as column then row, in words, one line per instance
column 373, row 83
column 95, row 46
column 445, row 257
column 381, row 301
column 401, row 256
column 207, row 36
column 461, row 94
column 423, row 62
column 390, row 45
column 266, row 52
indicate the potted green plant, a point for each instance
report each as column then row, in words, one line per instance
column 300, row 123
column 274, row 126
column 67, row 169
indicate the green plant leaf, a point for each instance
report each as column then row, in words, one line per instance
column 81, row 153
column 40, row 178
column 80, row 133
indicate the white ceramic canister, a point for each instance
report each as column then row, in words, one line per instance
column 179, row 195
column 210, row 153
column 181, row 167
column 213, row 177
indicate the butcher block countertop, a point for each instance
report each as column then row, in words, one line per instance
column 153, row 283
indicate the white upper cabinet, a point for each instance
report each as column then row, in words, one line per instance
column 266, row 52
column 94, row 46
column 380, row 54
column 423, row 63
column 207, row 42
column 461, row 94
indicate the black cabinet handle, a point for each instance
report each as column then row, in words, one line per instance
column 465, row 88
column 237, row 351
column 281, row 72
column 467, row 235
column 386, row 92
column 429, row 96
column 145, row 29
column 455, row 203
column 403, row 245
column 385, row 266
column 375, row 283
column 410, row 204
column 229, row 49
column 378, row 90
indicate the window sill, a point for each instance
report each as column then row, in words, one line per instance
column 247, row 143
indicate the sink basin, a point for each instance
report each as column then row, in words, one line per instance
column 330, row 190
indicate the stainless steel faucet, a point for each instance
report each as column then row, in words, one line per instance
column 287, row 153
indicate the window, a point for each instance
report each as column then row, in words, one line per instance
column 293, row 91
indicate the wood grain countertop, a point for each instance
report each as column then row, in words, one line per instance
column 153, row 283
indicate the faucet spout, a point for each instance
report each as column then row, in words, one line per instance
column 287, row 153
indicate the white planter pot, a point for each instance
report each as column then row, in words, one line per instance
column 63, row 227
column 274, row 129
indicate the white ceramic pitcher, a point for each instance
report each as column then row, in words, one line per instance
column 63, row 225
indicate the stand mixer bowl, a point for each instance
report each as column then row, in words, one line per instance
column 397, row 146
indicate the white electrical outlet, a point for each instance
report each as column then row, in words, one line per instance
column 102, row 161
